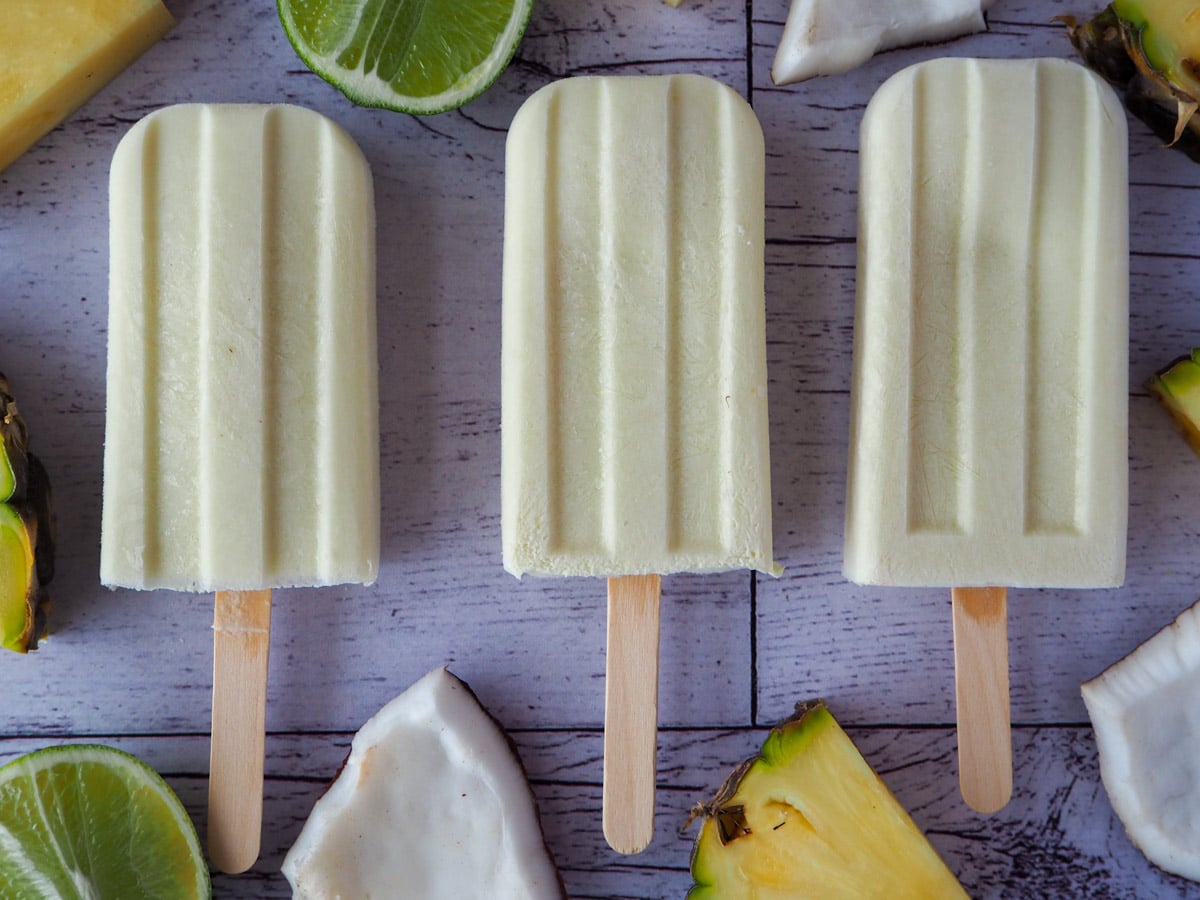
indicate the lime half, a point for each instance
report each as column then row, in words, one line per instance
column 415, row 56
column 90, row 822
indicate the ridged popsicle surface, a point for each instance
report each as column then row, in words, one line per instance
column 242, row 437
column 990, row 394
column 634, row 355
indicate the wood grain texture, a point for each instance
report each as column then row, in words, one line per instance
column 736, row 652
column 631, row 711
column 1056, row 838
column 981, row 697
column 241, row 648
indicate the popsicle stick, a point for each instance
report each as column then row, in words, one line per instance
column 241, row 640
column 631, row 712
column 981, row 693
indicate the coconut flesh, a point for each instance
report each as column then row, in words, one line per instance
column 432, row 802
column 826, row 37
column 1147, row 725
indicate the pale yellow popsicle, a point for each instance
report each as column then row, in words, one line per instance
column 989, row 398
column 634, row 385
column 990, row 393
column 242, row 448
column 634, row 358
column 242, row 438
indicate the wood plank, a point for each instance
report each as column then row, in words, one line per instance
column 136, row 669
column 1057, row 838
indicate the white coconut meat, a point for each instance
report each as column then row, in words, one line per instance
column 432, row 802
column 826, row 37
column 1147, row 725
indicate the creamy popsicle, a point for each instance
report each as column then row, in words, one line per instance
column 634, row 363
column 989, row 400
column 241, row 444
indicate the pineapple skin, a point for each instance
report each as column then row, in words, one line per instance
column 1134, row 46
column 809, row 818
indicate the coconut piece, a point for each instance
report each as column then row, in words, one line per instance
column 432, row 802
column 1147, row 725
column 826, row 37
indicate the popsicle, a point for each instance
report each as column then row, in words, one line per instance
column 634, row 386
column 242, row 437
column 989, row 396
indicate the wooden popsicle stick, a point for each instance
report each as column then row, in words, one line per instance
column 631, row 712
column 981, row 694
column 241, row 640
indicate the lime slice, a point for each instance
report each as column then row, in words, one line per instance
column 415, row 56
column 90, row 822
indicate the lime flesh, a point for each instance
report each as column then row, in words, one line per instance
column 416, row 56
column 91, row 822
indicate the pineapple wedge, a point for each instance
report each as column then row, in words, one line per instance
column 1151, row 50
column 809, row 818
column 26, row 533
column 1178, row 387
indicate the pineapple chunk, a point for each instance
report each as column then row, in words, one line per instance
column 1150, row 49
column 26, row 533
column 56, row 55
column 17, row 580
column 1178, row 387
column 808, row 817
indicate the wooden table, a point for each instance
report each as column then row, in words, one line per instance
column 134, row 669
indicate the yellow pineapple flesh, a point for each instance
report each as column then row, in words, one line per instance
column 58, row 54
column 809, row 818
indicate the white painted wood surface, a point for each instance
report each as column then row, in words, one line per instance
column 135, row 669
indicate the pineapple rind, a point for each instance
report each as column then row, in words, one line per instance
column 820, row 824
